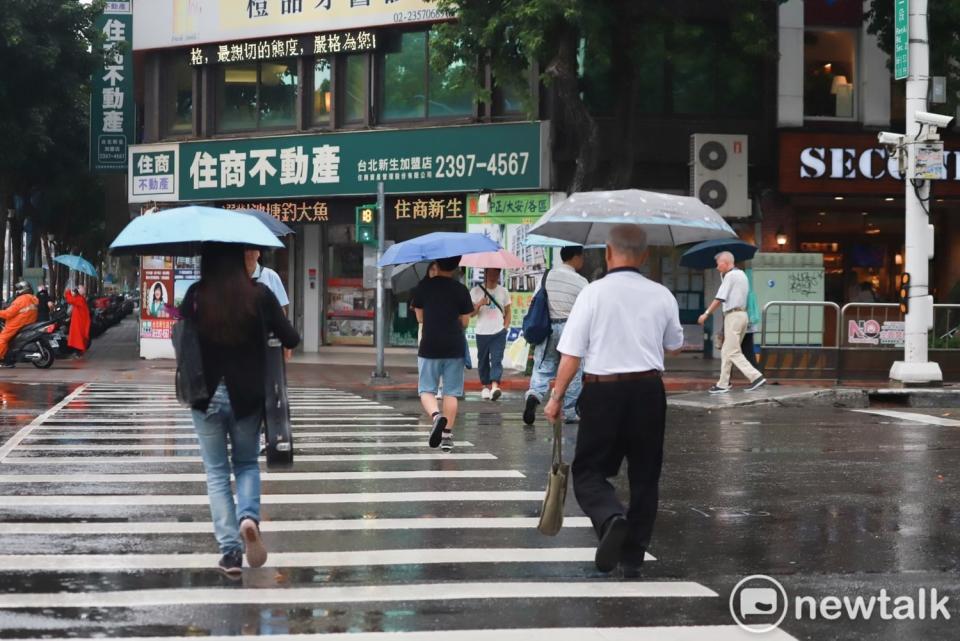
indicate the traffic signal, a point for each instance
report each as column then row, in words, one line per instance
column 904, row 293
column 367, row 224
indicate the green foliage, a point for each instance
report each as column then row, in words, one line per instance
column 944, row 27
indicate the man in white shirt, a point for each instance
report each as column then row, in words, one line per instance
column 563, row 285
column 491, row 305
column 620, row 327
column 732, row 296
column 266, row 276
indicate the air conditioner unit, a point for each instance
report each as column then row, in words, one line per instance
column 718, row 173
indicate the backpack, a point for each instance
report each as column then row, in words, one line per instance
column 536, row 323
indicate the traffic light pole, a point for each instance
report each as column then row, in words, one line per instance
column 915, row 368
column 381, row 320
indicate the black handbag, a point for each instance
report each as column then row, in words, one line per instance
column 190, row 384
column 276, row 410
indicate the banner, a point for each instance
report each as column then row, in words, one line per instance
column 111, row 92
column 178, row 23
column 427, row 160
column 164, row 281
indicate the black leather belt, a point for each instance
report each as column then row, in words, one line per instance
column 626, row 376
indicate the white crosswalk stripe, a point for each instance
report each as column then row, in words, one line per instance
column 111, row 478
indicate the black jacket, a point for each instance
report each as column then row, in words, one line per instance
column 241, row 366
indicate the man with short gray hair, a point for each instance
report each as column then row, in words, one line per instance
column 732, row 297
column 620, row 326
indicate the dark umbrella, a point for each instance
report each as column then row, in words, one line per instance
column 701, row 255
column 278, row 228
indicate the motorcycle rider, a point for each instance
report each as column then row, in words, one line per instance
column 21, row 312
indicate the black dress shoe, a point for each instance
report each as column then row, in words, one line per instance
column 631, row 569
column 610, row 548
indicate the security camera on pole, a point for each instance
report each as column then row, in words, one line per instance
column 920, row 155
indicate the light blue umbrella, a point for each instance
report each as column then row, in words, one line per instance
column 183, row 230
column 440, row 244
column 585, row 218
column 77, row 264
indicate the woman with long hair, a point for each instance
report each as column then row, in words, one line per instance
column 233, row 316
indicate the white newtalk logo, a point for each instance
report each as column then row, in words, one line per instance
column 760, row 604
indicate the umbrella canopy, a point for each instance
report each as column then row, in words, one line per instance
column 585, row 218
column 278, row 228
column 500, row 259
column 534, row 240
column 440, row 244
column 406, row 277
column 700, row 256
column 183, row 230
column 77, row 264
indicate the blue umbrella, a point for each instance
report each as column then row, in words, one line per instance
column 440, row 244
column 278, row 228
column 77, row 264
column 701, row 255
column 183, row 230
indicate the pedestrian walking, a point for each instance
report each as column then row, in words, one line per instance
column 44, row 304
column 79, row 338
column 732, row 298
column 233, row 316
column 443, row 306
column 619, row 329
column 491, row 305
column 563, row 284
column 267, row 276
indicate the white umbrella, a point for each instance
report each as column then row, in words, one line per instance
column 585, row 218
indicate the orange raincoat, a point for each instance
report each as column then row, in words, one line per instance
column 79, row 321
column 21, row 313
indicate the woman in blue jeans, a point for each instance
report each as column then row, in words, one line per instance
column 491, row 305
column 233, row 315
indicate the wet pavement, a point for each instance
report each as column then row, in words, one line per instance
column 104, row 526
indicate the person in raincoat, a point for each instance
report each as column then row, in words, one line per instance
column 21, row 312
column 79, row 319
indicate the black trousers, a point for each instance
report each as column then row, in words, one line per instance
column 623, row 419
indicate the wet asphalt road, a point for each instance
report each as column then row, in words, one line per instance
column 379, row 533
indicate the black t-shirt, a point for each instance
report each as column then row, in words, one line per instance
column 443, row 300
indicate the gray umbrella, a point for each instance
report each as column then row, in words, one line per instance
column 407, row 276
column 585, row 218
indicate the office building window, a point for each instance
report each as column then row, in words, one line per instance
column 354, row 88
column 322, row 97
column 830, row 69
column 176, row 96
column 257, row 96
column 412, row 90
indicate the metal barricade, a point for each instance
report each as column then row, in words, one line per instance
column 946, row 326
column 803, row 343
column 871, row 326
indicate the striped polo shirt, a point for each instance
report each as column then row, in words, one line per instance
column 563, row 287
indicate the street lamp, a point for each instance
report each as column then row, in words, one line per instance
column 781, row 238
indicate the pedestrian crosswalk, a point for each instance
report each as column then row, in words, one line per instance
column 105, row 531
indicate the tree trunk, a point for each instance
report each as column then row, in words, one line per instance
column 16, row 247
column 51, row 272
column 622, row 161
column 3, row 245
column 563, row 71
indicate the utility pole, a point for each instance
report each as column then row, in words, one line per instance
column 381, row 320
column 915, row 368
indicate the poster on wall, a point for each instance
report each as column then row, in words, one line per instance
column 350, row 312
column 164, row 281
column 507, row 221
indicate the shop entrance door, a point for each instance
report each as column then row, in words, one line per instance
column 350, row 307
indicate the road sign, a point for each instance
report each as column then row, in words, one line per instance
column 901, row 39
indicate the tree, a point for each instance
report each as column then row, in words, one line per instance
column 943, row 23
column 557, row 34
column 48, row 51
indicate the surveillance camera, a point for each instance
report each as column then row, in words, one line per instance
column 933, row 120
column 890, row 140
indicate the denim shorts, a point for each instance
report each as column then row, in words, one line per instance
column 434, row 370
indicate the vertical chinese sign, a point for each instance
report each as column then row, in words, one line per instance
column 111, row 91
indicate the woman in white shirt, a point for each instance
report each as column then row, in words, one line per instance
column 491, row 306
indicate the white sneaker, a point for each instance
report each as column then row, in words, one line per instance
column 485, row 394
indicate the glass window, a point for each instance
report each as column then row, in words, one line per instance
column 829, row 73
column 257, row 96
column 355, row 98
column 404, row 79
column 451, row 91
column 237, row 97
column 278, row 94
column 177, row 95
column 321, row 92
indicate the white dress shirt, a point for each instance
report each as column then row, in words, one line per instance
column 734, row 290
column 622, row 323
column 273, row 282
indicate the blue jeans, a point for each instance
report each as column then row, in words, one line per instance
column 546, row 362
column 213, row 428
column 490, row 349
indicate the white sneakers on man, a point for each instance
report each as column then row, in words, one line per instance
column 485, row 393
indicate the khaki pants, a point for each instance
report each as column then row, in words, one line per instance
column 734, row 326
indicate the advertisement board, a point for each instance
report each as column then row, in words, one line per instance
column 111, row 92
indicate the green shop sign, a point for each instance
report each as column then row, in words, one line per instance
column 111, row 91
column 429, row 160
column 506, row 209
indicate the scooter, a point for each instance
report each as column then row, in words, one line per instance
column 35, row 344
